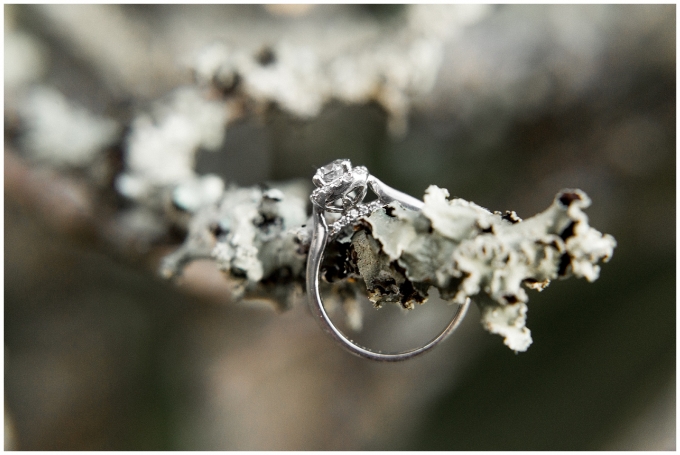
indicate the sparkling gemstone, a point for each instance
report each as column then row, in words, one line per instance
column 332, row 171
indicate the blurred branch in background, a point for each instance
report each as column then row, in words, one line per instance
column 121, row 121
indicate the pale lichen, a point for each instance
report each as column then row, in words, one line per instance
column 172, row 135
column 389, row 66
column 61, row 133
column 470, row 251
column 463, row 250
column 251, row 233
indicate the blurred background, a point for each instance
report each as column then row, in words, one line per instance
column 100, row 353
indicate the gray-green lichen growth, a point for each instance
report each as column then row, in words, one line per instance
column 464, row 250
column 252, row 235
column 361, row 64
column 259, row 238
column 171, row 134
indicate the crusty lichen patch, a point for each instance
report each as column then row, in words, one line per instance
column 362, row 64
column 260, row 237
column 251, row 233
column 465, row 250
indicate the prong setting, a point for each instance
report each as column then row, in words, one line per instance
column 340, row 187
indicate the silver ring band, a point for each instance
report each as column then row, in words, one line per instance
column 341, row 189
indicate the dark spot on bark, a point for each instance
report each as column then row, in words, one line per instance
column 266, row 56
column 565, row 262
column 337, row 262
column 488, row 230
column 568, row 231
column 510, row 298
column 363, row 224
column 388, row 283
column 217, row 229
column 567, row 198
column 115, row 160
column 411, row 294
column 227, row 84
column 267, row 223
column 270, row 198
column 283, row 275
column 352, row 255
column 238, row 273
column 389, row 211
column 177, row 234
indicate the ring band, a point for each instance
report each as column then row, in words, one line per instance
column 341, row 188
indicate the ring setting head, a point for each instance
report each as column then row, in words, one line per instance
column 339, row 186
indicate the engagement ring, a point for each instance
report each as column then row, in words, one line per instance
column 341, row 189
